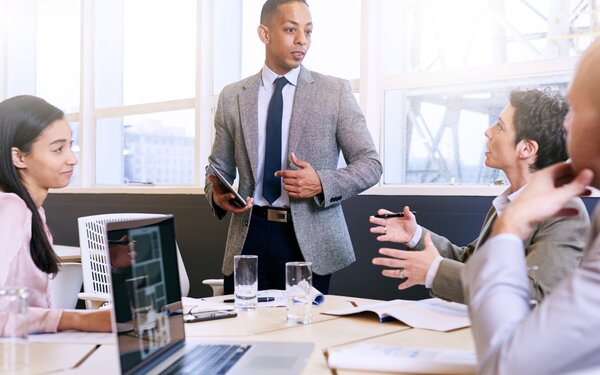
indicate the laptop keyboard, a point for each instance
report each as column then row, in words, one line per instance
column 207, row 359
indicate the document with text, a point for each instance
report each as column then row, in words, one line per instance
column 432, row 313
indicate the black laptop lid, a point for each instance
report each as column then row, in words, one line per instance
column 146, row 290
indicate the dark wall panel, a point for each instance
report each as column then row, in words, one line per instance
column 201, row 238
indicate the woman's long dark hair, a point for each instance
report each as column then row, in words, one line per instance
column 22, row 120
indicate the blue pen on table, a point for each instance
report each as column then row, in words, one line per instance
column 260, row 299
column 393, row 214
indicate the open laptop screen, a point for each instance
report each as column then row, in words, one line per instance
column 146, row 290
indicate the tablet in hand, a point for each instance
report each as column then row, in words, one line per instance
column 238, row 200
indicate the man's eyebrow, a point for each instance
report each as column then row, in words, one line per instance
column 501, row 121
column 296, row 23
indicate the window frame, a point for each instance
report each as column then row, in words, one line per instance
column 370, row 85
column 89, row 114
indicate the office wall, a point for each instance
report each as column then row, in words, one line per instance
column 201, row 238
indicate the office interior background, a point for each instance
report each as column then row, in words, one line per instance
column 139, row 81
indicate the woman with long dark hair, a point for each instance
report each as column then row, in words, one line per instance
column 35, row 156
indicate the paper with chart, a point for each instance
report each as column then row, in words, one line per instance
column 432, row 313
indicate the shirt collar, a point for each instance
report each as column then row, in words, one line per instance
column 503, row 200
column 268, row 76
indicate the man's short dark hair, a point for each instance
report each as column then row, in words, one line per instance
column 539, row 117
column 270, row 7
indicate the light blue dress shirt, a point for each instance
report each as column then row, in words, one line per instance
column 264, row 97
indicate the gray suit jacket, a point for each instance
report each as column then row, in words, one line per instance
column 326, row 119
column 555, row 247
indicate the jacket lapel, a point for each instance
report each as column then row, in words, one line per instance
column 487, row 226
column 249, row 119
column 305, row 90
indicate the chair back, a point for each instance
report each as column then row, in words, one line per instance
column 216, row 285
column 66, row 285
column 94, row 254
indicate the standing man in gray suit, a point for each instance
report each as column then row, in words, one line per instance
column 560, row 335
column 305, row 119
column 527, row 137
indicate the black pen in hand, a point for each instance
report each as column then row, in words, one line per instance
column 393, row 214
column 260, row 299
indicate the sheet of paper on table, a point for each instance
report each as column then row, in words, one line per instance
column 432, row 313
column 373, row 357
column 280, row 300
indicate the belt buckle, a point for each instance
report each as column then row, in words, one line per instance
column 280, row 216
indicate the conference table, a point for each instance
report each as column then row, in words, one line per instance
column 327, row 332
column 67, row 253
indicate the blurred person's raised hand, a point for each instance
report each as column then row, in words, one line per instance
column 545, row 196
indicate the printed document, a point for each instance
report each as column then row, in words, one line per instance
column 432, row 313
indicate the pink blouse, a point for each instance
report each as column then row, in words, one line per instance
column 17, row 267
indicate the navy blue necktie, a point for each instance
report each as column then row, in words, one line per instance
column 272, row 184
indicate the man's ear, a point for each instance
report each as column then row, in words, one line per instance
column 528, row 148
column 263, row 33
column 18, row 158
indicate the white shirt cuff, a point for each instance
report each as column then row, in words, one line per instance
column 432, row 271
column 416, row 237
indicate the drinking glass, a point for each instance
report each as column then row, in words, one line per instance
column 14, row 351
column 245, row 281
column 298, row 286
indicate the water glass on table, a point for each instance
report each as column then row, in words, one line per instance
column 245, row 281
column 298, row 287
column 14, row 354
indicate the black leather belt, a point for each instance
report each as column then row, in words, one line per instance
column 277, row 214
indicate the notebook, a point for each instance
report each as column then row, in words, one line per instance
column 148, row 312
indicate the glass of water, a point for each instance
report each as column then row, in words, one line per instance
column 14, row 353
column 245, row 281
column 298, row 289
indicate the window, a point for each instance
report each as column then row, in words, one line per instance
column 145, row 51
column 41, row 55
column 139, row 79
column 448, row 72
column 151, row 149
column 124, row 72
column 443, row 131
column 335, row 46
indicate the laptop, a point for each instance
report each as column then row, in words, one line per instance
column 149, row 319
